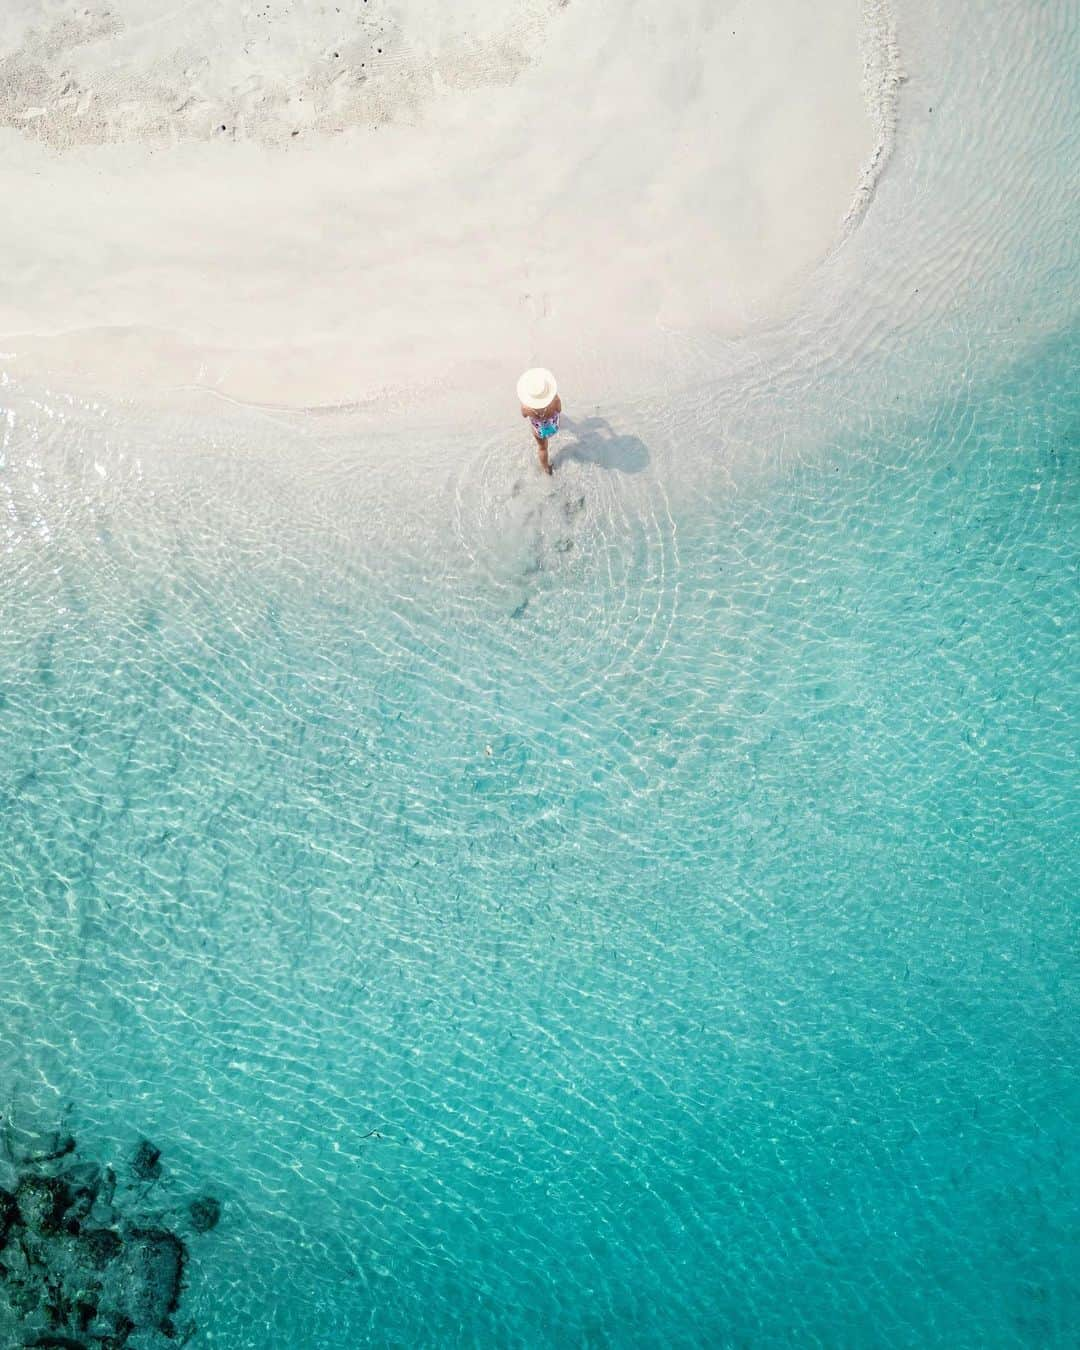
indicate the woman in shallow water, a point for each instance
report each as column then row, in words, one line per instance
column 540, row 403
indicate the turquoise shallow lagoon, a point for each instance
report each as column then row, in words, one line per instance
column 635, row 910
column 675, row 946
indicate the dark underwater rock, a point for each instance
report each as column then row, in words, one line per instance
column 9, row 1213
column 110, row 1330
column 124, row 1327
column 83, row 1263
column 42, row 1202
column 153, row 1261
column 204, row 1213
column 60, row 1147
column 146, row 1161
column 24, row 1298
column 84, row 1183
column 101, row 1245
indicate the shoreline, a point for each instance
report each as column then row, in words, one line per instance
column 357, row 266
column 883, row 74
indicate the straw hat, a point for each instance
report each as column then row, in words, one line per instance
column 537, row 388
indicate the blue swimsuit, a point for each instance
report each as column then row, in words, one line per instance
column 549, row 427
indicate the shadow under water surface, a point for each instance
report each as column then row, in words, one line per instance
column 597, row 442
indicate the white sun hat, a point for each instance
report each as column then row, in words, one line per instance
column 537, row 388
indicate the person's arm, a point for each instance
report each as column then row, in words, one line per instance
column 558, row 404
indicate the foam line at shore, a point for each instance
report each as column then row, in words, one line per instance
column 883, row 74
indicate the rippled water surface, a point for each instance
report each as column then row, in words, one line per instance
column 659, row 933
column 631, row 910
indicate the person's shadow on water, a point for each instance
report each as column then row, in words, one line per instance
column 597, row 442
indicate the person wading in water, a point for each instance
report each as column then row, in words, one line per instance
column 540, row 403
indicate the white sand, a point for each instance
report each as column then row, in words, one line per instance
column 533, row 181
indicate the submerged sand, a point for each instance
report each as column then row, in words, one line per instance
column 304, row 203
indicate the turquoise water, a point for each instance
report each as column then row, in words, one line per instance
column 635, row 910
column 657, row 928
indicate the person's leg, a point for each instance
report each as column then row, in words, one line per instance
column 542, row 453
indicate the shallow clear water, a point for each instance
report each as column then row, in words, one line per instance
column 632, row 910
column 698, row 939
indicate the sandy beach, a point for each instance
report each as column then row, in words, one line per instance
column 309, row 204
